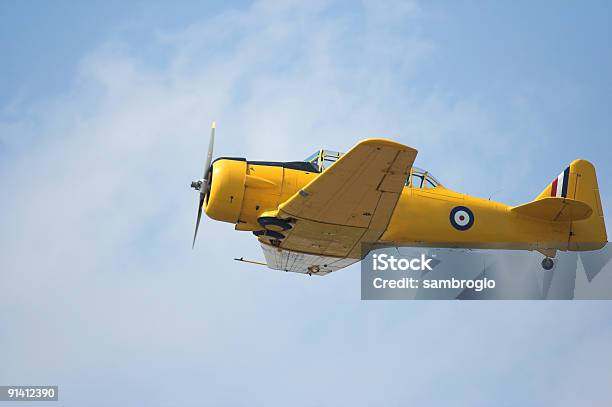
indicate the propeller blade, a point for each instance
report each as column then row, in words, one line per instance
column 211, row 144
column 195, row 234
column 204, row 187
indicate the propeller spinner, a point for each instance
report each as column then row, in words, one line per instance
column 203, row 185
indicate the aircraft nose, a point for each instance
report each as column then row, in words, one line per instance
column 227, row 185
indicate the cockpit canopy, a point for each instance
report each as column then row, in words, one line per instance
column 418, row 177
column 322, row 159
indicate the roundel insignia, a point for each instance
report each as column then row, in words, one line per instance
column 461, row 218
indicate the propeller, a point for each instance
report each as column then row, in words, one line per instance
column 203, row 185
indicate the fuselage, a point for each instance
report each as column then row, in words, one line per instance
column 242, row 192
column 421, row 218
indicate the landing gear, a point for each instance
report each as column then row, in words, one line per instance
column 270, row 237
column 274, row 224
column 272, row 229
column 548, row 263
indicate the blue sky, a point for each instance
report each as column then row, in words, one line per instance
column 104, row 115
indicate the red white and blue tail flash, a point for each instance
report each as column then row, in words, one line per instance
column 558, row 187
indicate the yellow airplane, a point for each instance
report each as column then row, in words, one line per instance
column 313, row 216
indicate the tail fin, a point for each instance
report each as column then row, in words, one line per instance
column 579, row 182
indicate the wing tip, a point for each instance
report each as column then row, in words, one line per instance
column 383, row 142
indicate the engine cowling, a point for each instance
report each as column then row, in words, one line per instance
column 228, row 180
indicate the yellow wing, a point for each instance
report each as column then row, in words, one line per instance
column 350, row 202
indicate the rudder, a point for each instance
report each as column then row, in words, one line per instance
column 579, row 181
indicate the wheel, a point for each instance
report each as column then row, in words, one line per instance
column 275, row 224
column 269, row 234
column 547, row 263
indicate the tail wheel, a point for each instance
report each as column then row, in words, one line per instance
column 548, row 263
column 274, row 224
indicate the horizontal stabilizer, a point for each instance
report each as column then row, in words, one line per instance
column 555, row 209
